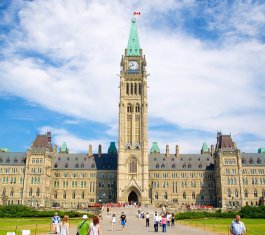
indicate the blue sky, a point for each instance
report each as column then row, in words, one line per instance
column 59, row 60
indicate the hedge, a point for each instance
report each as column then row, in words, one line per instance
column 245, row 212
column 15, row 211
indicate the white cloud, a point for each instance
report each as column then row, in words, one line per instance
column 74, row 143
column 193, row 84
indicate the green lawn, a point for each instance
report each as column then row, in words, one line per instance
column 36, row 225
column 221, row 226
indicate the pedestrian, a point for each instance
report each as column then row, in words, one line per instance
column 107, row 210
column 147, row 219
column 64, row 226
column 164, row 224
column 56, row 223
column 94, row 227
column 113, row 222
column 82, row 227
column 172, row 220
column 168, row 216
column 123, row 220
column 237, row 227
column 139, row 215
column 156, row 221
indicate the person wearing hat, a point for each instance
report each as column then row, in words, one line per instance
column 55, row 223
column 83, row 226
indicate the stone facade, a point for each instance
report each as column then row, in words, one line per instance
column 221, row 176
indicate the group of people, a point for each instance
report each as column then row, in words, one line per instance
column 83, row 228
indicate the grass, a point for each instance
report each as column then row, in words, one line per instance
column 36, row 225
column 221, row 226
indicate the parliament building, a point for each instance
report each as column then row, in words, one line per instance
column 134, row 170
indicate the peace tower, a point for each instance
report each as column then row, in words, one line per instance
column 133, row 171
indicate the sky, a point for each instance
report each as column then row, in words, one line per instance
column 59, row 61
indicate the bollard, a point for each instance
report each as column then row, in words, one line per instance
column 204, row 225
column 213, row 228
column 36, row 229
column 196, row 224
column 16, row 229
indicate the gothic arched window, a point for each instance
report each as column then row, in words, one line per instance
column 133, row 165
column 12, row 192
column 255, row 193
column 193, row 195
column 165, row 195
column 246, row 193
column 82, row 195
column 30, row 192
column 129, row 108
column 55, row 194
column 228, row 193
column 73, row 195
column 38, row 192
column 64, row 195
column 127, row 88
column 156, row 195
column 137, row 108
column 184, row 195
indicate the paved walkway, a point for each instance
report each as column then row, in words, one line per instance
column 137, row 227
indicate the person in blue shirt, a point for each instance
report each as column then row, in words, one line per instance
column 56, row 223
column 237, row 227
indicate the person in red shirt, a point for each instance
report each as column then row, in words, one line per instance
column 164, row 224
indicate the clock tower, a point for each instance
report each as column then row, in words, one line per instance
column 133, row 171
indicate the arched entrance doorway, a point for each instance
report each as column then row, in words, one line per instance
column 132, row 197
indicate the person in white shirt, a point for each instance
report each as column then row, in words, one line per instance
column 156, row 222
column 113, row 222
column 168, row 219
column 147, row 219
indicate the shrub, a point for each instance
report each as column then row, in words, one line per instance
column 15, row 211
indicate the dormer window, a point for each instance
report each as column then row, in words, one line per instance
column 77, row 165
column 157, row 165
column 7, row 160
column 55, row 165
column 66, row 165
column 189, row 166
column 251, row 161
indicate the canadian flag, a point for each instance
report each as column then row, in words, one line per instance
column 137, row 13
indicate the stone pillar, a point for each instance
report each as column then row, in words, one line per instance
column 167, row 150
column 177, row 150
column 90, row 151
column 212, row 150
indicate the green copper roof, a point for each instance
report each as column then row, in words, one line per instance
column 4, row 150
column 133, row 48
column 261, row 150
column 155, row 148
column 64, row 148
column 112, row 148
column 205, row 147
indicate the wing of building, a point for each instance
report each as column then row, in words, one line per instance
column 44, row 176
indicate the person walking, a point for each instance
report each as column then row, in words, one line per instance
column 56, row 223
column 94, row 227
column 164, row 224
column 64, row 226
column 147, row 219
column 168, row 216
column 113, row 222
column 82, row 227
column 123, row 220
column 237, row 227
column 156, row 222
column 172, row 220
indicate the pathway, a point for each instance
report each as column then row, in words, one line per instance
column 137, row 227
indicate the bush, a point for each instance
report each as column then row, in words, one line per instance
column 245, row 212
column 15, row 211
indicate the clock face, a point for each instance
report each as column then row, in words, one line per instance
column 133, row 65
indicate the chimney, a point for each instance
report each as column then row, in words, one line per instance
column 167, row 150
column 212, row 150
column 49, row 135
column 99, row 150
column 55, row 149
column 177, row 150
column 90, row 151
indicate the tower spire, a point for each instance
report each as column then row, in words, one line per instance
column 133, row 48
